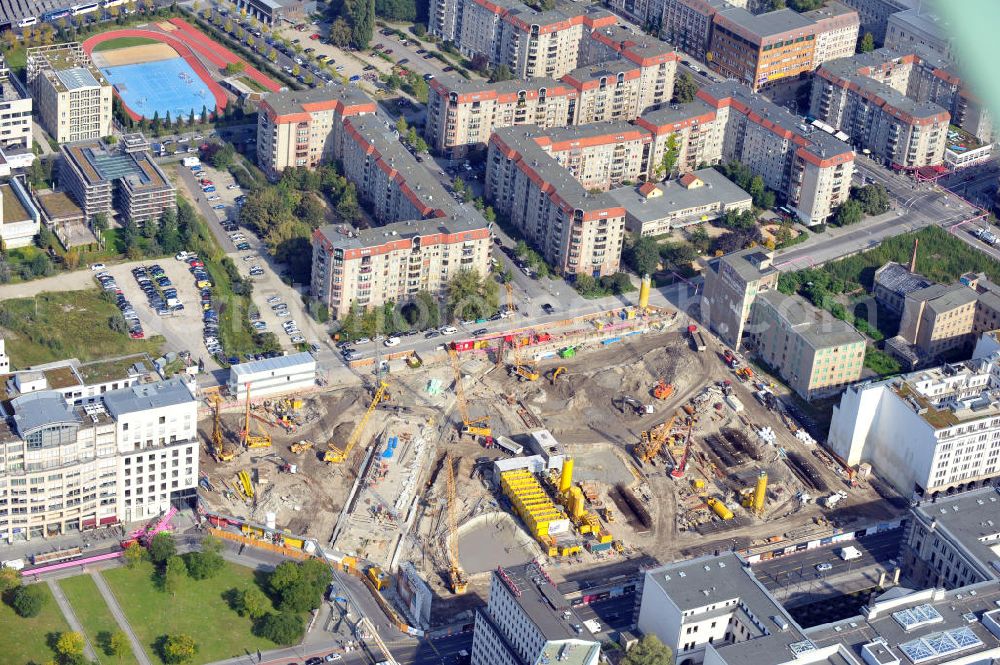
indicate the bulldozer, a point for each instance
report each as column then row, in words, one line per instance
column 663, row 390
column 301, row 446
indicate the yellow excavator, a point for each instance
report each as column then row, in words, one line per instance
column 479, row 426
column 219, row 451
column 554, row 374
column 250, row 440
column 301, row 446
column 336, row 455
column 459, row 582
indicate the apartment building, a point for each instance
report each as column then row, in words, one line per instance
column 387, row 176
column 305, row 127
column 15, row 111
column 656, row 209
column 72, row 96
column 874, row 14
column 112, row 182
column 697, row 131
column 528, row 621
column 688, row 24
column 370, row 267
column 814, row 352
column 529, row 181
column 837, row 27
column 760, row 50
column 127, row 456
column 619, row 75
column 732, row 283
column 599, row 156
column 919, row 26
column 951, row 417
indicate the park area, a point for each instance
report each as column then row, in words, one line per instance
column 26, row 640
column 96, row 619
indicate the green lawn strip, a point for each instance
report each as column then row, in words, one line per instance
column 199, row 609
column 124, row 42
column 66, row 324
column 24, row 641
column 94, row 615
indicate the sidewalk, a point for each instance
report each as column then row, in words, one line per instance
column 71, row 619
column 119, row 615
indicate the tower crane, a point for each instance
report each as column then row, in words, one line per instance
column 260, row 440
column 336, row 455
column 479, row 426
column 219, row 451
column 459, row 582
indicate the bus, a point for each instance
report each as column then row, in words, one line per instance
column 56, row 14
column 27, row 21
column 108, row 4
column 85, row 8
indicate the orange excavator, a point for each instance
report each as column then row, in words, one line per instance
column 663, row 390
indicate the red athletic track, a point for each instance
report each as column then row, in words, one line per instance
column 186, row 41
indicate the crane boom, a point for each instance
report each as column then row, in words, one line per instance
column 459, row 583
column 479, row 426
column 521, row 370
column 261, row 440
column 335, row 455
column 219, row 451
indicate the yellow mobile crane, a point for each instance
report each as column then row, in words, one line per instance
column 335, row 455
column 260, row 440
column 479, row 426
column 459, row 582
column 524, row 371
column 219, row 451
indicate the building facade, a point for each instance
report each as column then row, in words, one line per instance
column 814, row 352
column 944, row 319
column 688, row 24
column 20, row 219
column 919, row 26
column 395, row 262
column 128, row 456
column 72, row 96
column 732, row 283
column 837, row 27
column 761, row 50
column 874, row 14
column 305, row 127
column 527, row 621
column 15, row 111
column 294, row 373
column 951, row 417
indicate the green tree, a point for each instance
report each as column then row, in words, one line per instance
column 471, row 296
column 699, row 238
column 642, row 255
column 311, row 210
column 347, row 207
column 867, row 44
column 162, row 547
column 850, row 212
column 649, row 651
column 361, row 16
column 178, row 649
column 117, row 645
column 70, row 645
column 28, row 600
column 670, row 155
column 284, row 575
column 173, row 573
column 252, row 603
column 203, row 565
column 9, row 579
column 501, row 73
column 284, row 628
column 224, row 156
column 685, row 89
column 133, row 554
column 874, row 198
column 340, row 32
column 301, row 596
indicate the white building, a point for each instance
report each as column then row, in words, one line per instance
column 66, row 467
column 15, row 111
column 927, row 431
column 20, row 220
column 284, row 374
column 527, row 621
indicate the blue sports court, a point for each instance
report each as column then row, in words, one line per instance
column 161, row 86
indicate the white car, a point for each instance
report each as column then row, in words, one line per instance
column 213, row 197
column 232, row 187
column 448, row 330
column 392, row 341
column 298, row 339
column 182, row 256
column 97, row 267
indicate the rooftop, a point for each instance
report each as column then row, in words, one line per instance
column 37, row 409
column 760, row 27
column 57, row 205
column 147, row 396
column 344, row 237
column 817, row 327
column 673, row 197
column 750, row 264
column 77, row 77
column 897, row 278
column 100, row 164
column 102, row 371
column 13, row 210
column 296, row 101
column 972, row 520
column 293, row 360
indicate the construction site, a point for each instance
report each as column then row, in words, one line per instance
column 607, row 437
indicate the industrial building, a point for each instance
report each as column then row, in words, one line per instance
column 951, row 417
column 282, row 375
column 732, row 283
column 395, row 262
column 893, row 282
column 305, row 127
column 106, row 181
column 527, row 621
column 70, row 93
column 813, row 351
column 128, row 455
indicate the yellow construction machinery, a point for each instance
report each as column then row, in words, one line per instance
column 245, row 483
column 479, row 426
column 652, row 440
column 219, row 451
column 336, row 455
column 301, row 446
column 459, row 583
column 523, row 371
column 250, row 440
column 554, row 374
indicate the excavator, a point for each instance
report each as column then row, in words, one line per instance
column 219, row 451
column 555, row 373
column 336, row 455
column 250, row 440
column 457, row 577
column 524, row 371
column 663, row 390
column 478, row 426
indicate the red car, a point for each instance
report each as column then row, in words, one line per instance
column 137, row 334
column 195, row 263
column 205, row 181
column 314, row 36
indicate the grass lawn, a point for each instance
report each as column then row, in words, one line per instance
column 93, row 613
column 68, row 324
column 199, row 609
column 24, row 641
column 252, row 84
column 123, row 42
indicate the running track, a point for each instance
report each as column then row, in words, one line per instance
column 186, row 40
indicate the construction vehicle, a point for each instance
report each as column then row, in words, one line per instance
column 249, row 440
column 650, row 441
column 459, row 582
column 627, row 402
column 479, row 426
column 245, row 483
column 554, row 374
column 301, row 446
column 697, row 339
column 663, row 390
column 336, row 455
column 219, row 451
column 524, row 371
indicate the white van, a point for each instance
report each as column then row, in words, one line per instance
column 850, row 553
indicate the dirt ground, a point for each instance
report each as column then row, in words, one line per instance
column 131, row 55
